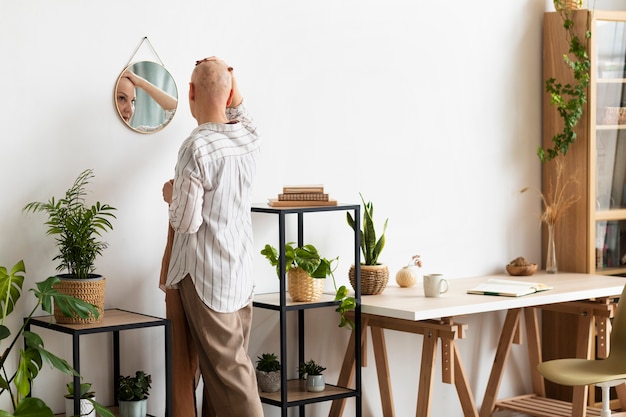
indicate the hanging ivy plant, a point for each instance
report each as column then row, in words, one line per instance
column 569, row 98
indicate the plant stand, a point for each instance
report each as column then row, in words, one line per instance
column 114, row 321
column 293, row 393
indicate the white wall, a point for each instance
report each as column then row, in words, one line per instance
column 430, row 109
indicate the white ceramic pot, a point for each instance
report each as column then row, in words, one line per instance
column 133, row 408
column 315, row 383
column 86, row 408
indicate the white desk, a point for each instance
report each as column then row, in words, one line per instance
column 407, row 310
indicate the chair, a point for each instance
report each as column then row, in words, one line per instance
column 604, row 373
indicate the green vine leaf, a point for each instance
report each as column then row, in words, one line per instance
column 569, row 99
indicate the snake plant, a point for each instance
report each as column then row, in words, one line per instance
column 370, row 245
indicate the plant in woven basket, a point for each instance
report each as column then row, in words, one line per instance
column 570, row 98
column 16, row 382
column 374, row 275
column 76, row 227
column 308, row 259
column 371, row 247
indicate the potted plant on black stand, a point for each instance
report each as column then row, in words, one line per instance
column 374, row 275
column 76, row 227
column 306, row 274
column 16, row 381
column 268, row 372
column 313, row 373
column 86, row 397
column 132, row 394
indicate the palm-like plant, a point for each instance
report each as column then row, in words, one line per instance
column 77, row 227
column 371, row 247
column 31, row 359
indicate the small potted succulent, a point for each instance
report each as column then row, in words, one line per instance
column 86, row 396
column 132, row 394
column 313, row 373
column 268, row 372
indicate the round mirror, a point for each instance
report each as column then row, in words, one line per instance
column 146, row 97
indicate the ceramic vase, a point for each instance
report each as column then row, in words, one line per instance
column 315, row 383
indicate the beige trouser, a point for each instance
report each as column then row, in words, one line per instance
column 185, row 367
column 222, row 343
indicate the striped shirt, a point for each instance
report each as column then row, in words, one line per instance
column 210, row 211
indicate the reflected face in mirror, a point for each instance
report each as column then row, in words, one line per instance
column 146, row 97
column 125, row 98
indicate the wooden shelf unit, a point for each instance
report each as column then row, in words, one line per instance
column 591, row 235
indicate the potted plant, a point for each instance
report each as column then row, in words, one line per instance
column 132, row 394
column 313, row 373
column 374, row 275
column 306, row 274
column 569, row 98
column 86, row 397
column 76, row 227
column 268, row 372
column 15, row 381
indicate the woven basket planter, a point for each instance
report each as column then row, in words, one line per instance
column 374, row 278
column 90, row 290
column 302, row 287
column 568, row 4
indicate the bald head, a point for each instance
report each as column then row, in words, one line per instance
column 210, row 90
column 212, row 78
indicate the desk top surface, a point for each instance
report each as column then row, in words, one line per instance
column 411, row 304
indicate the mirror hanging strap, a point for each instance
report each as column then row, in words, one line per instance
column 145, row 40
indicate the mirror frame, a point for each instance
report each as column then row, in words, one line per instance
column 154, row 88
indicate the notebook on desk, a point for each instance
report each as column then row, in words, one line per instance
column 508, row 288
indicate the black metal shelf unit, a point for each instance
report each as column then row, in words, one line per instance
column 293, row 392
column 113, row 321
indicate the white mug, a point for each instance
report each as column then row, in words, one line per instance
column 434, row 285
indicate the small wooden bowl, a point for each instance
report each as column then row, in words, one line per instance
column 521, row 270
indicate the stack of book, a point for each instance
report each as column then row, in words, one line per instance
column 302, row 196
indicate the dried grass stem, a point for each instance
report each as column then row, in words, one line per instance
column 556, row 200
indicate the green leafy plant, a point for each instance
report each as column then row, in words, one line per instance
column 134, row 388
column 569, row 99
column 310, row 368
column 371, row 247
column 84, row 391
column 76, row 226
column 268, row 362
column 308, row 258
column 17, row 384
